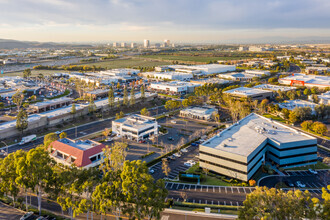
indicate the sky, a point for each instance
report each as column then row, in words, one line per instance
column 178, row 20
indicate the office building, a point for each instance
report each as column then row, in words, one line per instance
column 245, row 92
column 174, row 87
column 241, row 149
column 115, row 44
column 50, row 104
column 292, row 104
column 83, row 154
column 274, row 88
column 324, row 98
column 167, row 43
column 299, row 79
column 123, row 44
column 205, row 113
column 133, row 45
column 173, row 76
column 135, row 127
column 146, row 43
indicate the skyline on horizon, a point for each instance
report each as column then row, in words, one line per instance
column 183, row 21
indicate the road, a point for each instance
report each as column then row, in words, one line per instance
column 9, row 213
column 79, row 131
column 294, row 68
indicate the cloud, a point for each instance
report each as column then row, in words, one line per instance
column 167, row 15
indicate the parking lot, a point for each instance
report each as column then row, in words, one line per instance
column 311, row 181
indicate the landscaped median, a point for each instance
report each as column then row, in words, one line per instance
column 224, row 209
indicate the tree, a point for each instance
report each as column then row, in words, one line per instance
column 39, row 164
column 27, row 73
column 120, row 115
column 73, row 109
column 185, row 103
column 143, row 198
column 132, row 98
column 143, row 94
column 307, row 125
column 49, row 138
column 252, row 182
column 118, row 85
column 111, row 98
column 319, row 128
column 263, row 105
column 165, row 167
column 322, row 111
column 273, row 80
column 8, row 177
column 264, row 203
column 307, row 92
column 303, row 113
column 106, row 132
column 172, row 104
column 91, row 106
column 63, row 135
column 22, row 122
column 115, row 156
column 125, row 98
column 18, row 98
column 293, row 117
column 145, row 112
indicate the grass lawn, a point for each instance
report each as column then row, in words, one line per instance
column 276, row 118
column 34, row 73
column 126, row 63
column 209, row 180
column 317, row 166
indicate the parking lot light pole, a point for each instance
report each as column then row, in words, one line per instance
column 75, row 130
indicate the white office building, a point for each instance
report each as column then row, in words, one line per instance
column 300, row 79
column 292, row 104
column 174, row 87
column 173, row 76
column 241, row 149
column 205, row 69
column 135, row 127
column 324, row 98
column 274, row 88
column 245, row 92
column 146, row 43
column 205, row 113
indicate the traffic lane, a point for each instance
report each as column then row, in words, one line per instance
column 8, row 212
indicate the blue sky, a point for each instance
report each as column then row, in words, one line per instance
column 178, row 20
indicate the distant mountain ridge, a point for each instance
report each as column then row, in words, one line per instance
column 13, row 44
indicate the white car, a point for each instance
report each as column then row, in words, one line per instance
column 151, row 171
column 184, row 150
column 173, row 122
column 177, row 155
column 58, row 132
column 312, row 171
column 300, row 184
column 27, row 216
column 187, row 164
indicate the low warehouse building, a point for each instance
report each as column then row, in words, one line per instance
column 241, row 149
column 245, row 92
column 135, row 127
column 201, row 113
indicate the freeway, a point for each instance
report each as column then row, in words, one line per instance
column 79, row 131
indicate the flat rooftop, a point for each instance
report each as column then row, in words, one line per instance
column 79, row 144
column 245, row 91
column 274, row 87
column 10, row 124
column 311, row 79
column 136, row 121
column 52, row 102
column 98, row 91
column 243, row 137
column 203, row 110
column 61, row 111
column 297, row 103
column 211, row 80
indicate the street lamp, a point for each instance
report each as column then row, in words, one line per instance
column 75, row 130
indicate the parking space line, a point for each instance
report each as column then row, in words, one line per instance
column 166, row 184
column 226, row 189
column 237, row 203
column 205, row 201
column 231, row 203
column 172, row 185
column 238, row 190
column 218, row 202
column 189, row 187
column 250, row 190
column 199, row 201
column 232, row 191
column 195, row 187
column 244, row 190
column 219, row 189
column 207, row 188
column 177, row 200
column 224, row 202
column 201, row 188
column 212, row 202
column 194, row 201
column 213, row 189
column 178, row 186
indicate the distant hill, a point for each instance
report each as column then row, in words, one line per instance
column 13, row 44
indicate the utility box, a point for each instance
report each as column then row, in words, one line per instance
column 207, row 210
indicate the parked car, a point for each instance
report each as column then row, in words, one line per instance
column 194, row 144
column 177, row 155
column 289, row 183
column 173, row 122
column 151, row 171
column 312, row 171
column 300, row 184
column 170, row 138
column 27, row 216
column 184, row 150
column 58, row 132
column 142, row 141
column 187, row 164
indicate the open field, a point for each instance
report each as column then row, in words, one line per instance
column 34, row 72
column 126, row 63
column 183, row 58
